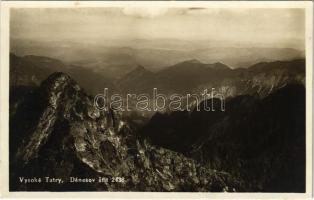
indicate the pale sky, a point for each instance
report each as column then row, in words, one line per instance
column 242, row 25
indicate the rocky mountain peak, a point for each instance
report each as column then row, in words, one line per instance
column 219, row 65
column 192, row 61
column 140, row 68
column 70, row 137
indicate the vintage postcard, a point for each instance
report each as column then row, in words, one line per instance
column 156, row 99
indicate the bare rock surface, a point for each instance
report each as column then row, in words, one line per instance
column 69, row 137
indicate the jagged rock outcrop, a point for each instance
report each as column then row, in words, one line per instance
column 61, row 134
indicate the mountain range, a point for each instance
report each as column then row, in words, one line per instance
column 190, row 76
column 32, row 70
column 193, row 76
column 257, row 144
column 117, row 58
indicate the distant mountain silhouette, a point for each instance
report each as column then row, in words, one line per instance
column 184, row 77
column 117, row 57
column 194, row 76
column 32, row 70
column 136, row 79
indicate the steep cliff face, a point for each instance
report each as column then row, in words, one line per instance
column 260, row 140
column 57, row 132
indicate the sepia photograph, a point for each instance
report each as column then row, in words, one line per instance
column 181, row 97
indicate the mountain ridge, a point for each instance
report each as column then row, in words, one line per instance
column 193, row 77
column 252, row 134
column 71, row 138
